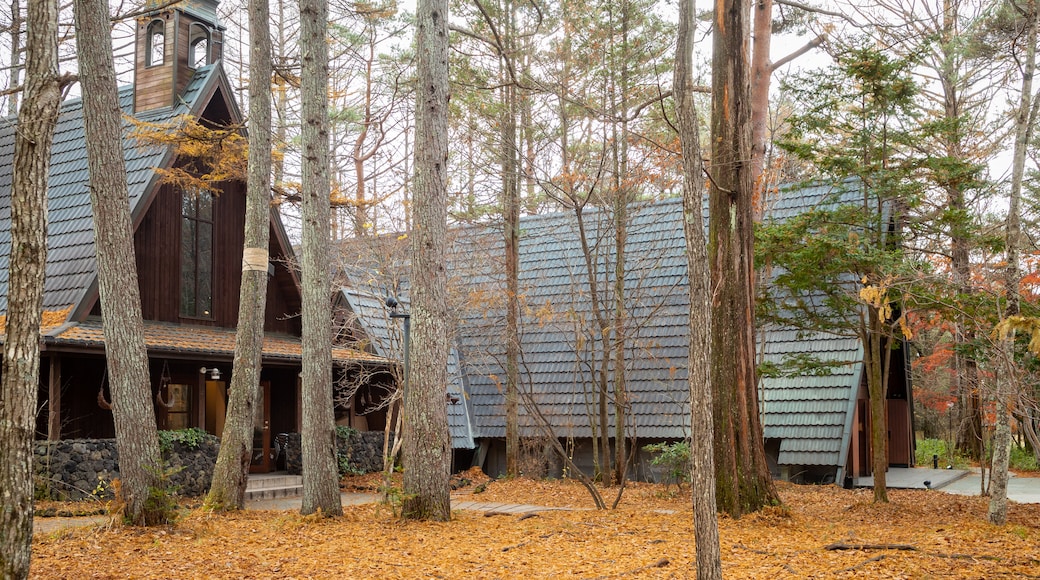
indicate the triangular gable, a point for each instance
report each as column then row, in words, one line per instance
column 71, row 263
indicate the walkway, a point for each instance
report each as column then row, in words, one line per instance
column 914, row 478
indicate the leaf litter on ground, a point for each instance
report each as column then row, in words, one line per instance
column 818, row 531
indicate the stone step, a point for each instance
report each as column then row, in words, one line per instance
column 265, row 481
column 274, row 492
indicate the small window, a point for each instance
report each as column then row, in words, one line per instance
column 198, row 46
column 155, row 51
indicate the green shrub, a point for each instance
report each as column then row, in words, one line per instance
column 191, row 438
column 675, row 457
column 926, row 448
column 1022, row 459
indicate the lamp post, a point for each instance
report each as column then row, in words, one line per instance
column 392, row 303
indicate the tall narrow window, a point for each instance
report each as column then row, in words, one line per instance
column 155, row 51
column 197, row 254
column 198, row 45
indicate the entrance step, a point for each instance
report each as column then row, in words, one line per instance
column 273, row 486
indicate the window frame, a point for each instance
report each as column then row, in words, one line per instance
column 157, row 27
column 193, row 271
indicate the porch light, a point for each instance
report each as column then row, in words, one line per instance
column 214, row 373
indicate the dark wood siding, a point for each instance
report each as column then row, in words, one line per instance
column 157, row 245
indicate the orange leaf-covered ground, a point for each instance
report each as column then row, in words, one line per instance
column 650, row 535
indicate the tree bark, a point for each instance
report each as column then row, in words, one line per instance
column 511, row 213
column 872, row 339
column 15, row 33
column 127, row 358
column 28, row 260
column 320, row 474
column 1005, row 397
column 702, row 449
column 742, row 474
column 427, row 447
column 761, row 75
column 228, row 487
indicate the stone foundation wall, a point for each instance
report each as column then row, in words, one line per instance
column 362, row 452
column 77, row 469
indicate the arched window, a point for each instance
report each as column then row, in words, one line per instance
column 155, row 49
column 198, row 45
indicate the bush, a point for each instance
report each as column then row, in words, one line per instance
column 926, row 448
column 1022, row 459
column 191, row 438
column 675, row 457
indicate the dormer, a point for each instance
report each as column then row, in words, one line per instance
column 171, row 43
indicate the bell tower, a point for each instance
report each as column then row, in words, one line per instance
column 171, row 43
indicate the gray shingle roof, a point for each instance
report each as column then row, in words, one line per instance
column 556, row 296
column 70, row 237
column 373, row 316
column 811, row 414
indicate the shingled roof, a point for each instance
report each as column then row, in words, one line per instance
column 557, row 316
column 71, row 263
column 373, row 316
column 71, row 258
column 812, row 415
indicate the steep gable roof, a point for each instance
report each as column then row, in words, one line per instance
column 811, row 414
column 71, row 264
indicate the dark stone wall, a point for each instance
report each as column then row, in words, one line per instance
column 77, row 469
column 362, row 452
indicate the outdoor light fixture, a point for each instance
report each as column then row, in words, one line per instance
column 392, row 303
column 214, row 373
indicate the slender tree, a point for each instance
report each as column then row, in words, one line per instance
column 127, row 358
column 427, row 447
column 28, row 260
column 320, row 480
column 15, row 33
column 228, row 487
column 1006, row 395
column 702, row 477
column 743, row 479
column 511, row 226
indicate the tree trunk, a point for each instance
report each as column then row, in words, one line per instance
column 511, row 213
column 743, row 480
column 1013, row 277
column 16, row 55
column 600, row 349
column 28, row 260
column 873, row 343
column 702, row 475
column 228, row 487
column 761, row 74
column 127, row 358
column 320, row 474
column 427, row 447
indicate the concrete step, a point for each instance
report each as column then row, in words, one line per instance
column 273, row 486
column 274, row 492
column 265, row 480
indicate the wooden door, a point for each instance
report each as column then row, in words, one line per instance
column 261, row 460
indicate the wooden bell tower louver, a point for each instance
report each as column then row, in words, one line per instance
column 171, row 44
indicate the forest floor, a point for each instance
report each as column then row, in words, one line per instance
column 818, row 531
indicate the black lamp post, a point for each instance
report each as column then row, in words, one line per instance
column 392, row 303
